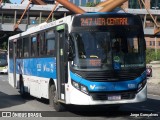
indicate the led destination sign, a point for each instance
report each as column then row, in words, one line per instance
column 100, row 21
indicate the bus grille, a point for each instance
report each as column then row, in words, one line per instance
column 104, row 96
column 110, row 76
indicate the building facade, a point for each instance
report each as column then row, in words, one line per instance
column 76, row 2
column 152, row 41
column 83, row 2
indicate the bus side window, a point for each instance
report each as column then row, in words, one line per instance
column 38, row 44
column 20, row 48
column 42, row 47
column 26, row 47
column 33, row 46
column 50, row 38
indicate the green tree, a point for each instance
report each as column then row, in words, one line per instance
column 151, row 55
column 91, row 4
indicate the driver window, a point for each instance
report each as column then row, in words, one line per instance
column 80, row 44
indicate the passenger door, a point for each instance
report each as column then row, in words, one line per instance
column 62, row 62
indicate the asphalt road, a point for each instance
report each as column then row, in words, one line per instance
column 12, row 103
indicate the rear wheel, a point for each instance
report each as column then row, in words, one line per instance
column 53, row 100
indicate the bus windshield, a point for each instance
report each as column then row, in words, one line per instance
column 101, row 50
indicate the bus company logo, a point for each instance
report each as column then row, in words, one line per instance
column 92, row 86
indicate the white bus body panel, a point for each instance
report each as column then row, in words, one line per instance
column 36, row 86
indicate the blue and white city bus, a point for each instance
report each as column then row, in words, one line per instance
column 72, row 60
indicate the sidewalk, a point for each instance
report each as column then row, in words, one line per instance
column 153, row 88
column 154, row 81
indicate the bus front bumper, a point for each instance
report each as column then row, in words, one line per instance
column 76, row 97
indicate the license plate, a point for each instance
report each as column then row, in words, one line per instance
column 114, row 97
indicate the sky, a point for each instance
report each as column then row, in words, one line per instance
column 16, row 1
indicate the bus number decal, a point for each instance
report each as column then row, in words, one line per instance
column 87, row 21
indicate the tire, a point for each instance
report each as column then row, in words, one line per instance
column 53, row 101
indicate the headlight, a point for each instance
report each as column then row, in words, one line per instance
column 80, row 87
column 76, row 85
column 141, row 85
column 84, row 89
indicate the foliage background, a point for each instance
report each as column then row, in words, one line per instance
column 152, row 56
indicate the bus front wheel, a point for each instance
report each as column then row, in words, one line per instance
column 53, row 100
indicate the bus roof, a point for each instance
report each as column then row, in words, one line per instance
column 41, row 26
column 66, row 19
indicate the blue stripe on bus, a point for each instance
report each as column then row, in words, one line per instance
column 41, row 67
column 109, row 86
